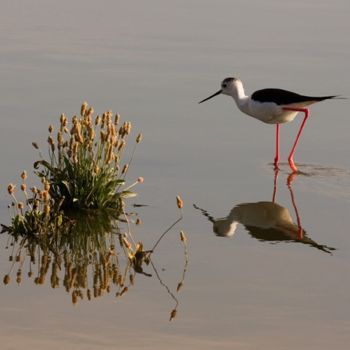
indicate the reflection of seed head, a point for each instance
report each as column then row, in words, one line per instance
column 183, row 237
column 139, row 138
column 7, row 279
column 11, row 188
column 172, row 315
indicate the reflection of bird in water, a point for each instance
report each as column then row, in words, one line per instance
column 265, row 221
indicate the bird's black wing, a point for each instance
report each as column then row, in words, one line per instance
column 284, row 97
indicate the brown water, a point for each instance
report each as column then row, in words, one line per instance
column 262, row 287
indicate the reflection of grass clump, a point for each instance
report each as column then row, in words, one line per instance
column 89, row 253
column 84, row 165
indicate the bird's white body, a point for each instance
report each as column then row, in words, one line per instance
column 265, row 215
column 267, row 112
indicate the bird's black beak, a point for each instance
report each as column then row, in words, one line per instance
column 208, row 98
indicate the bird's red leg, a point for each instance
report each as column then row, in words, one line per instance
column 289, row 184
column 291, row 155
column 275, row 178
column 277, row 157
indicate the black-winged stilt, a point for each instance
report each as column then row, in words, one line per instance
column 271, row 106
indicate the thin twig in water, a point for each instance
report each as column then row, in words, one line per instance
column 184, row 242
column 167, row 230
column 165, row 286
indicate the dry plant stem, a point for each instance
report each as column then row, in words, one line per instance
column 128, row 225
column 129, row 163
column 166, row 231
column 14, row 260
column 186, row 263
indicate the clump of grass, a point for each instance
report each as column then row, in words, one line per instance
column 85, row 160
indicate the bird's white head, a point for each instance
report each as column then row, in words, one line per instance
column 229, row 86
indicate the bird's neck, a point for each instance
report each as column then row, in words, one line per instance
column 240, row 97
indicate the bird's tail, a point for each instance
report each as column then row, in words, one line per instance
column 322, row 98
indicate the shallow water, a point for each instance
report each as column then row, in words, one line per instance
column 152, row 62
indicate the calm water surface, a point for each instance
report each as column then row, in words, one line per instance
column 271, row 282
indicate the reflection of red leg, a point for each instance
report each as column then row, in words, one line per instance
column 277, row 157
column 275, row 185
column 291, row 155
column 289, row 184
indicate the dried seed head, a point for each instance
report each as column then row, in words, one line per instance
column 125, row 168
column 7, row 279
column 172, row 315
column 179, row 286
column 34, row 190
column 50, row 141
column 97, row 120
column 138, row 221
column 24, row 175
column 11, row 188
column 74, row 298
column 47, row 209
column 50, row 129
column 63, row 120
column 124, row 290
column 121, row 144
column 36, row 204
column 110, row 154
column 179, row 202
column 128, row 128
column 183, row 237
column 96, row 169
column 140, row 180
column 83, row 108
column 60, row 138
column 91, row 133
column 23, row 187
column 20, row 205
column 47, row 186
column 139, row 138
column 117, row 119
column 90, row 112
column 45, row 195
column 35, row 145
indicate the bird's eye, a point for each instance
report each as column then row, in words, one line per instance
column 223, row 85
